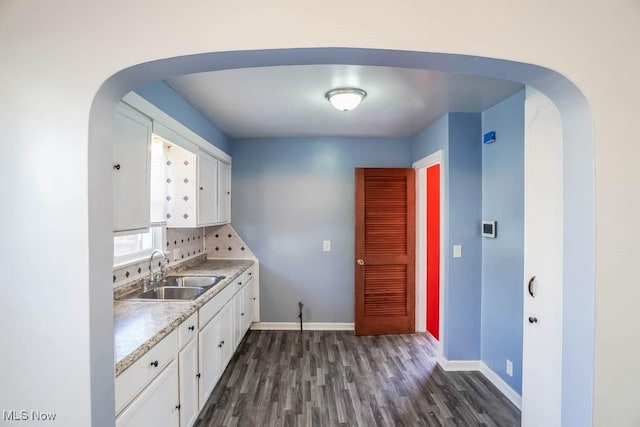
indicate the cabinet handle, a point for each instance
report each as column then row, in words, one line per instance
column 154, row 363
column 192, row 328
column 117, row 166
column 202, row 188
column 530, row 286
column 228, row 192
column 178, row 406
column 533, row 320
column 241, row 314
column 239, row 283
column 250, row 274
column 254, row 298
column 198, row 375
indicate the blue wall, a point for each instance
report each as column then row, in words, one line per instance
column 503, row 257
column 314, row 202
column 431, row 139
column 462, row 325
column 457, row 134
column 288, row 196
column 165, row 98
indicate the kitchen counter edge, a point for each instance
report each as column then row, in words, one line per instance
column 186, row 309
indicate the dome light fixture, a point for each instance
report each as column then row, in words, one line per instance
column 345, row 98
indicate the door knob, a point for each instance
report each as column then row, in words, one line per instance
column 533, row 320
column 360, row 261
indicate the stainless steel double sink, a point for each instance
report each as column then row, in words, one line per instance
column 177, row 289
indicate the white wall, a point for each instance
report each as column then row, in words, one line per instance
column 55, row 56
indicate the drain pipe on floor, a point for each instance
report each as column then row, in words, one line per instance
column 300, row 305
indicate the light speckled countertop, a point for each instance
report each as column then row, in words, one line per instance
column 139, row 325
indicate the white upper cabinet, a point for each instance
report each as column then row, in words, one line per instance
column 197, row 174
column 181, row 187
column 207, row 199
column 224, row 192
column 194, row 193
column 131, row 156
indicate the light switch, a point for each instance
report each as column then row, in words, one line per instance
column 457, row 251
column 326, row 245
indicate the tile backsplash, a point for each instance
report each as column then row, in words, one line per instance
column 190, row 242
column 222, row 241
column 219, row 241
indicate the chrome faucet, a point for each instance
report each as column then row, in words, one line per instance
column 162, row 266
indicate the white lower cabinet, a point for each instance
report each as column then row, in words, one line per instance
column 188, row 371
column 210, row 358
column 247, row 306
column 157, row 405
column 238, row 318
column 226, row 333
column 243, row 312
column 170, row 384
column 215, row 342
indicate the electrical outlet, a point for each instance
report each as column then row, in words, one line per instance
column 326, row 245
column 509, row 368
column 176, row 254
column 457, row 251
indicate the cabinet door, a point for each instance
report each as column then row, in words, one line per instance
column 157, row 404
column 224, row 192
column 247, row 297
column 182, row 192
column 238, row 318
column 131, row 155
column 207, row 190
column 210, row 358
column 225, row 319
column 188, row 373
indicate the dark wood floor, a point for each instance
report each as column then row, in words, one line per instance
column 285, row 378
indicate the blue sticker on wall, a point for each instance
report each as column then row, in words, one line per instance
column 489, row 137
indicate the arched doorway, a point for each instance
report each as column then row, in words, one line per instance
column 579, row 289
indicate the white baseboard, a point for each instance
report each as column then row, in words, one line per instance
column 437, row 342
column 307, row 326
column 478, row 365
column 505, row 388
column 459, row 365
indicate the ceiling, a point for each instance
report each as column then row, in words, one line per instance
column 289, row 101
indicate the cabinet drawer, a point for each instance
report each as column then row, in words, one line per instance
column 248, row 274
column 129, row 383
column 157, row 404
column 211, row 308
column 242, row 279
column 187, row 330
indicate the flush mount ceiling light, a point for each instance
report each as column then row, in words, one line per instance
column 345, row 98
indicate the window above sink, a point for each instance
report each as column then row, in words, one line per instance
column 131, row 247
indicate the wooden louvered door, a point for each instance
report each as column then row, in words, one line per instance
column 385, row 251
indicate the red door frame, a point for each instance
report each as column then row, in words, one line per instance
column 432, row 284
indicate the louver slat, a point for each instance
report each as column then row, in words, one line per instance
column 385, row 245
